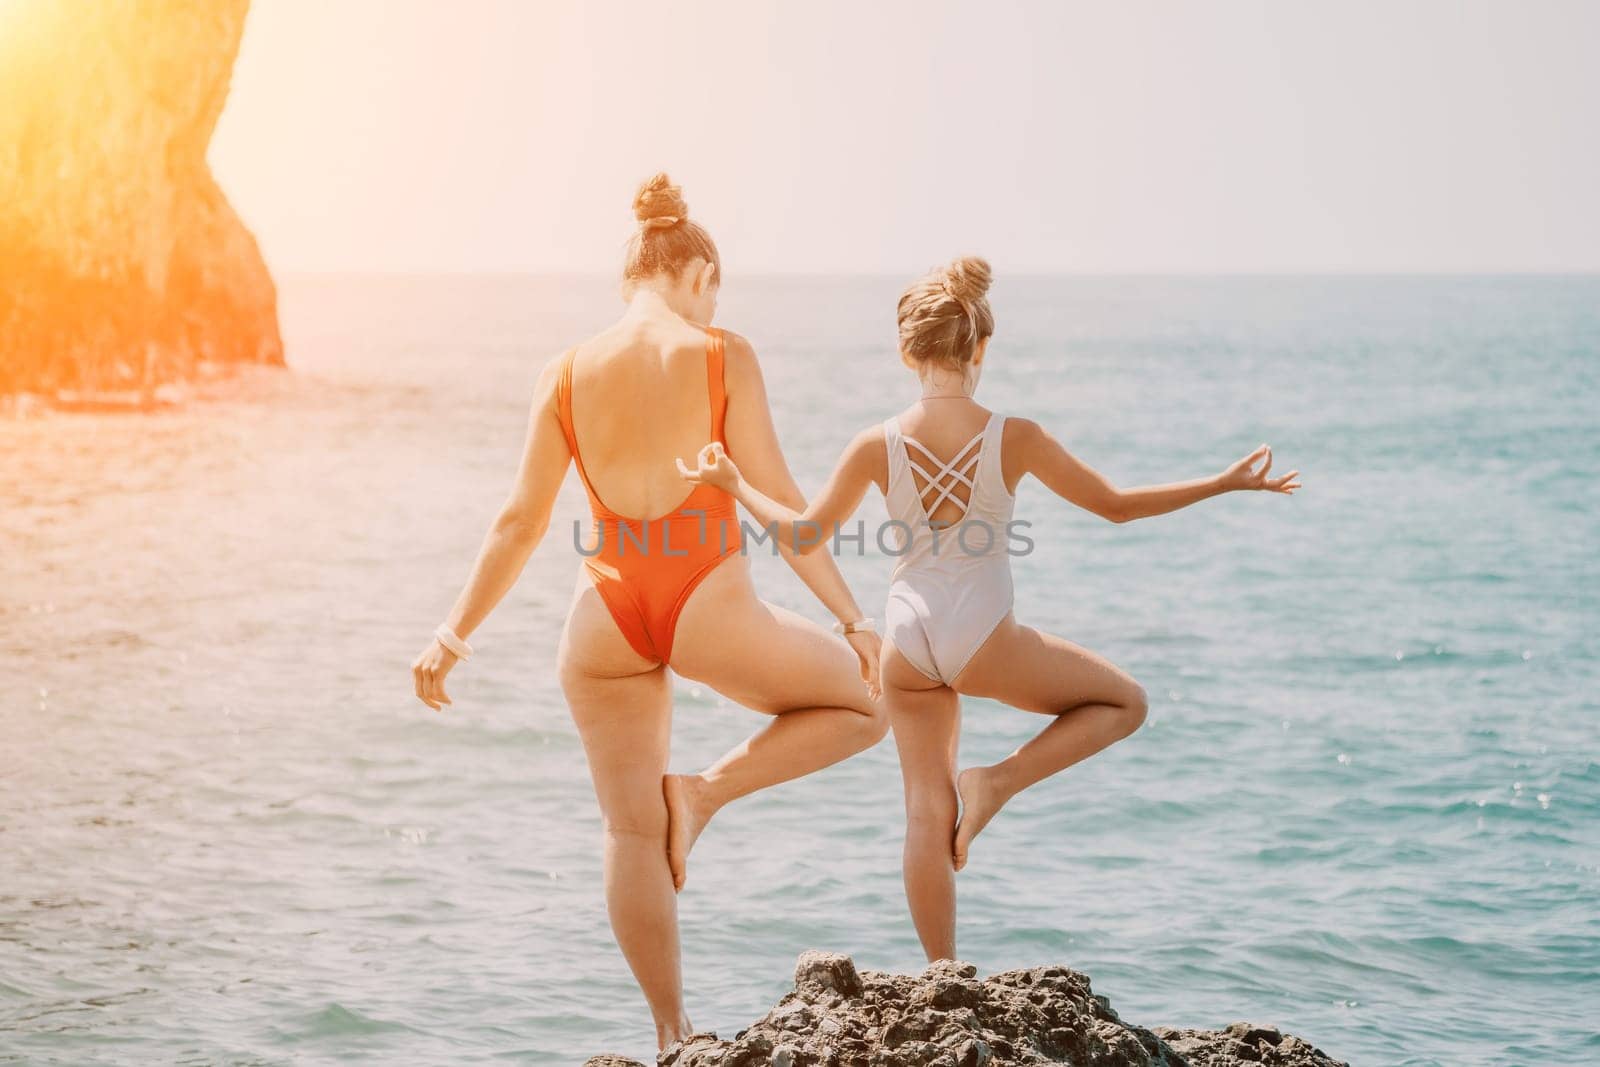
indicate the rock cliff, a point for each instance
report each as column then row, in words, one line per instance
column 948, row 1017
column 122, row 265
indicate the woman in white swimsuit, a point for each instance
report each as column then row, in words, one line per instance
column 949, row 625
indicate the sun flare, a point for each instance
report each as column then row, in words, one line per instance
column 125, row 268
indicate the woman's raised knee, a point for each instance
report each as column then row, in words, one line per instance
column 874, row 720
column 1135, row 707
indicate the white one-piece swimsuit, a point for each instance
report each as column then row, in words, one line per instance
column 952, row 584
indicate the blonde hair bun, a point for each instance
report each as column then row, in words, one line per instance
column 659, row 204
column 967, row 278
column 944, row 314
column 667, row 240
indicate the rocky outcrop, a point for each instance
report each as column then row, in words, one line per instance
column 122, row 265
column 948, row 1017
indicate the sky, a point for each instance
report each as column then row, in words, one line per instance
column 877, row 137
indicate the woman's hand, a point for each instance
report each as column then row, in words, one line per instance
column 428, row 671
column 867, row 646
column 1246, row 475
column 714, row 468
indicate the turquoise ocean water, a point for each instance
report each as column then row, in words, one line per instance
column 1366, row 806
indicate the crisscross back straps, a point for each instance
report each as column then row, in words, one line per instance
column 961, row 470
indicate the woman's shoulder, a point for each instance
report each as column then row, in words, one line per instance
column 552, row 376
column 737, row 348
column 1019, row 429
column 741, row 370
column 1020, row 439
column 871, row 437
column 868, row 453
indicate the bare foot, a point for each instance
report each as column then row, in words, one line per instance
column 980, row 799
column 688, row 811
column 671, row 1035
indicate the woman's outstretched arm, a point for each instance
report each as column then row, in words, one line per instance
column 803, row 531
column 753, row 438
column 512, row 537
column 1075, row 481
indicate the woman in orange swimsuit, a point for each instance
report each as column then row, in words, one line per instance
column 664, row 585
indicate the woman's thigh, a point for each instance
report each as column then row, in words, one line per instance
column 926, row 719
column 760, row 655
column 622, row 706
column 1038, row 671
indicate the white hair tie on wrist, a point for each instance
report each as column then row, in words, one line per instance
column 452, row 641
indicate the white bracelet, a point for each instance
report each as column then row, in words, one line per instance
column 859, row 626
column 450, row 640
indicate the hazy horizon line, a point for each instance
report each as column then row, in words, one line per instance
column 1592, row 272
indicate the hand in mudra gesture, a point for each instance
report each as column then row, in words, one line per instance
column 1245, row 474
column 713, row 467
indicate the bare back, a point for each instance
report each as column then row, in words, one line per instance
column 639, row 400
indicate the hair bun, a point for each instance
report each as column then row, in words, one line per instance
column 967, row 278
column 659, row 204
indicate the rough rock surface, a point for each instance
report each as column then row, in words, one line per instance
column 948, row 1017
column 122, row 265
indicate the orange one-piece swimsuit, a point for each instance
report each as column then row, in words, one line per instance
column 645, row 569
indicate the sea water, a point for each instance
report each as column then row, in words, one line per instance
column 1365, row 807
